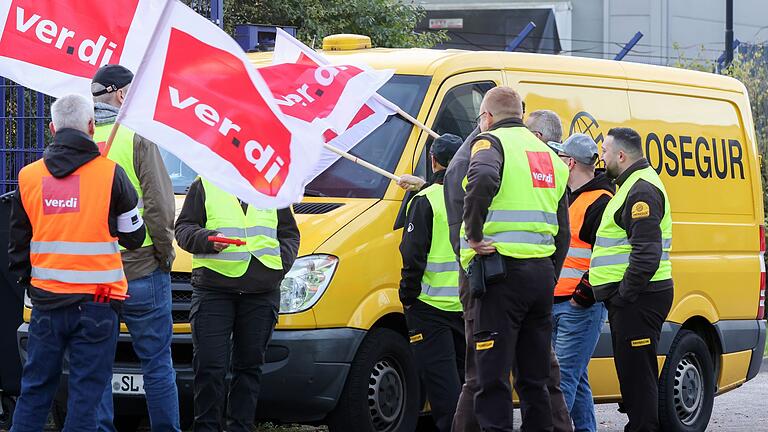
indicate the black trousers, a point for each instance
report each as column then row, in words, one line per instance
column 635, row 332
column 513, row 326
column 224, row 323
column 465, row 420
column 438, row 343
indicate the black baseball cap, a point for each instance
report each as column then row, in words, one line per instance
column 113, row 77
column 445, row 146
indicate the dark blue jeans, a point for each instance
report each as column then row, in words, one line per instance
column 147, row 314
column 575, row 332
column 87, row 332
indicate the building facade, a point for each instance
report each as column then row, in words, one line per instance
column 599, row 28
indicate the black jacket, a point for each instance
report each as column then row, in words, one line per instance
column 70, row 150
column 486, row 165
column 454, row 191
column 644, row 234
column 414, row 247
column 588, row 232
column 192, row 236
column 594, row 212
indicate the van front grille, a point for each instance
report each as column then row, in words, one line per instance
column 181, row 297
column 315, row 208
column 180, row 317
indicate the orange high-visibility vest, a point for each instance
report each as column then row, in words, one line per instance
column 580, row 252
column 72, row 250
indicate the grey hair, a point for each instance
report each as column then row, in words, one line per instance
column 547, row 123
column 106, row 98
column 72, row 111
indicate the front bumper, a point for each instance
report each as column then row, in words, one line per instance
column 302, row 378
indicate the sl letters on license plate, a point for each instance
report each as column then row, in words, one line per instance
column 127, row 384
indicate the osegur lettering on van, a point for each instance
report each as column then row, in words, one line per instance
column 721, row 159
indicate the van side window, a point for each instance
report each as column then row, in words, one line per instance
column 457, row 115
column 460, row 107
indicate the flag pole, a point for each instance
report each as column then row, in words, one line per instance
column 361, row 162
column 405, row 115
column 418, row 124
column 112, row 133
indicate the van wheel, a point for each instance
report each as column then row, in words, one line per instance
column 7, row 406
column 687, row 385
column 382, row 390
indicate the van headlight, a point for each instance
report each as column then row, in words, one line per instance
column 306, row 282
column 27, row 300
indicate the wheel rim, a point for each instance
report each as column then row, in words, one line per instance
column 689, row 389
column 385, row 394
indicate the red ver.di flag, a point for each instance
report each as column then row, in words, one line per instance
column 197, row 96
column 319, row 92
column 56, row 46
column 289, row 50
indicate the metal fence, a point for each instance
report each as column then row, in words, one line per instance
column 25, row 114
column 24, row 117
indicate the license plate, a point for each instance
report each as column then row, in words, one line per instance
column 131, row 384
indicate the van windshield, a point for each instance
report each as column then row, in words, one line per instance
column 383, row 148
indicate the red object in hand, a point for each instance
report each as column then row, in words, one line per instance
column 227, row 240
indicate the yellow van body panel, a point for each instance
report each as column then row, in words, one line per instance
column 733, row 370
column 367, row 252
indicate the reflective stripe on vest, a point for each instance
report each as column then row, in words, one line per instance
column 78, row 276
column 121, row 152
column 258, row 228
column 610, row 256
column 440, row 282
column 579, row 252
column 522, row 218
column 72, row 250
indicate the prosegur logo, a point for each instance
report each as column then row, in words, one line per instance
column 583, row 122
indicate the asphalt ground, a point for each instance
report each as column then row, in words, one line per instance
column 744, row 409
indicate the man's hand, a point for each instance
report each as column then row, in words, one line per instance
column 219, row 246
column 484, row 247
column 409, row 182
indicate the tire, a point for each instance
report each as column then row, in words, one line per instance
column 687, row 385
column 6, row 413
column 382, row 390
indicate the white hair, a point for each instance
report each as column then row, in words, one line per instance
column 547, row 123
column 72, row 112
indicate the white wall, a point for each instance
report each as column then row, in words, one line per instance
column 687, row 23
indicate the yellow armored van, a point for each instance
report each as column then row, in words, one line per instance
column 340, row 354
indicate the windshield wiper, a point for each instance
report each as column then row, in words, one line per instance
column 313, row 193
